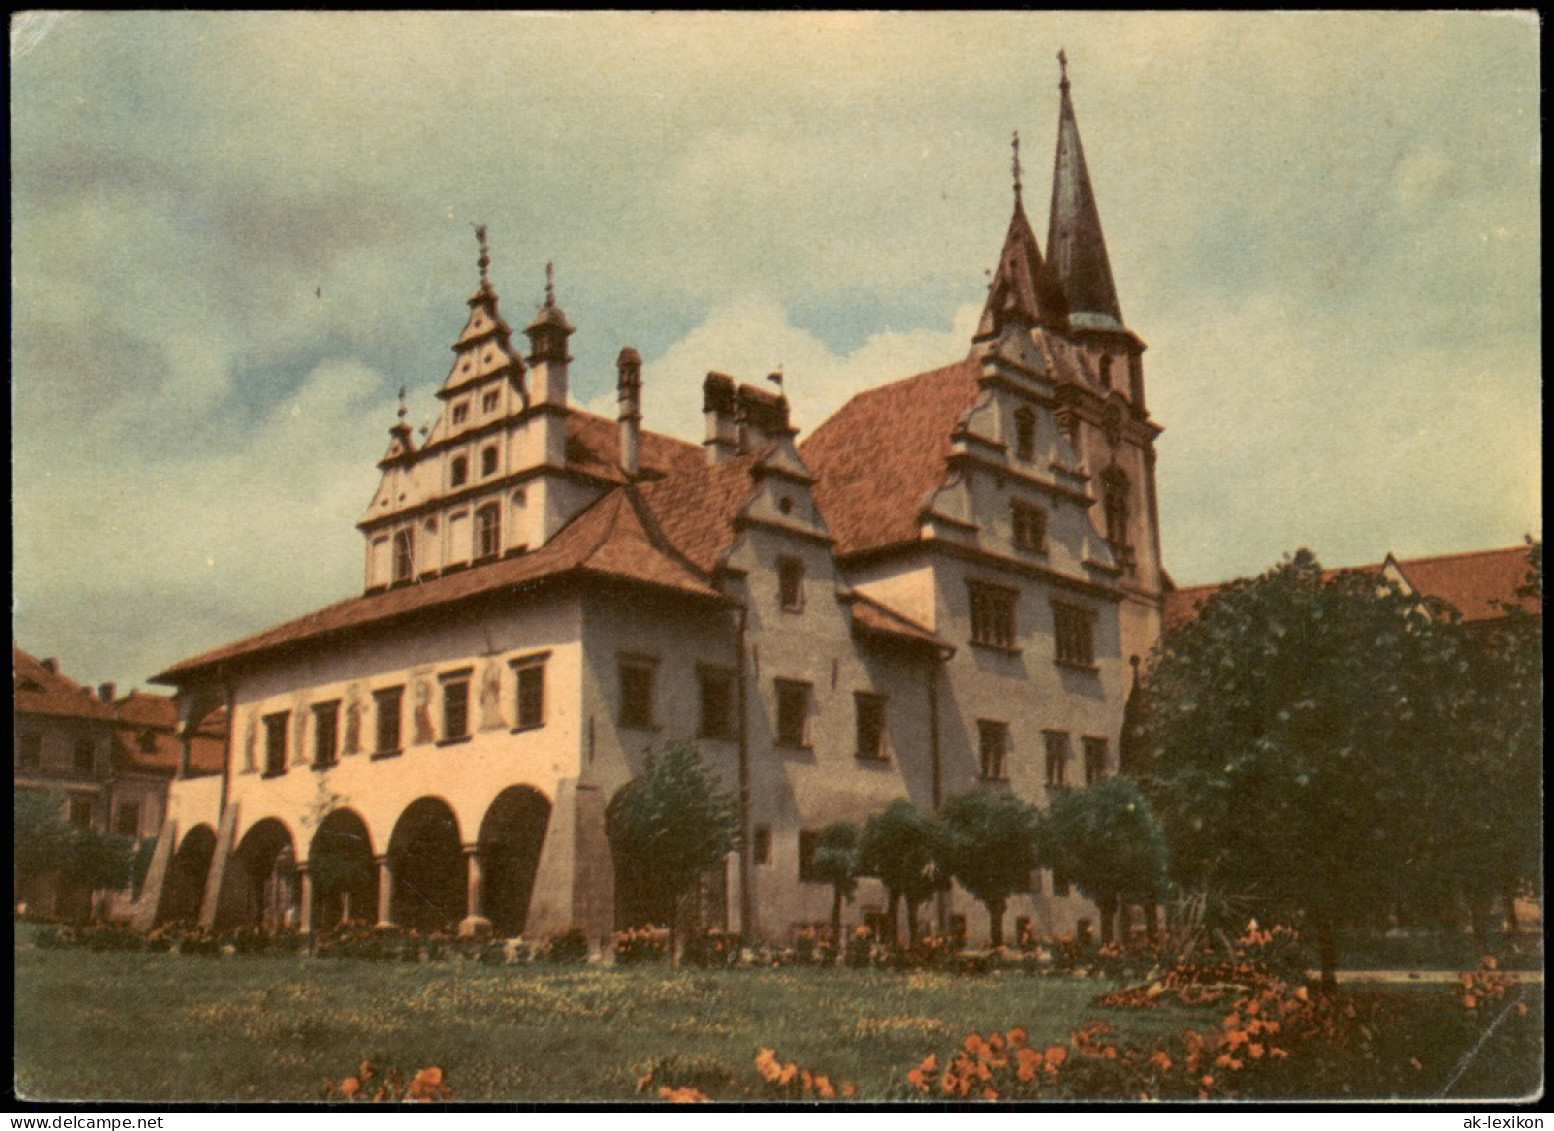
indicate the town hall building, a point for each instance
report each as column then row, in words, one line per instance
column 939, row 590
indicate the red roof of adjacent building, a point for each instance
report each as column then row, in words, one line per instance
column 1477, row 584
column 872, row 493
column 41, row 689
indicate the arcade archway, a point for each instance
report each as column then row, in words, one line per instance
column 345, row 878
column 511, row 837
column 430, row 875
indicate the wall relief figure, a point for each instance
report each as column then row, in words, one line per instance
column 250, row 745
column 423, row 711
column 491, row 697
column 353, row 720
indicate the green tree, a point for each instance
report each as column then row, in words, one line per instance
column 1107, row 840
column 836, row 862
column 1299, row 724
column 673, row 823
column 44, row 842
column 907, row 850
column 992, row 841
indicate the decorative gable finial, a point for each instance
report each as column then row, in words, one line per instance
column 1062, row 69
column 1014, row 165
column 403, row 411
column 485, row 251
column 550, row 283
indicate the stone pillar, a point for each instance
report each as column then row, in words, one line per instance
column 305, row 889
column 475, row 923
column 185, row 752
column 385, row 890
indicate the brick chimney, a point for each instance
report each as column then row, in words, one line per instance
column 628, row 397
column 51, row 665
column 763, row 417
column 720, row 407
column 106, row 691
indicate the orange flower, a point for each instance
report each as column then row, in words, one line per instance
column 1161, row 1061
column 368, row 1070
column 1255, row 1051
column 427, row 1084
column 990, row 1093
column 683, row 1096
column 645, row 1082
column 1018, row 1036
column 766, row 1062
column 1056, row 1055
column 1030, row 1061
column 824, row 1089
column 349, row 1087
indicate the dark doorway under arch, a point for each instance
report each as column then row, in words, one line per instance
column 345, row 877
column 184, row 890
column 511, row 837
column 431, row 878
column 267, row 865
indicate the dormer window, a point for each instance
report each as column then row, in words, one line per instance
column 458, row 471
column 488, row 531
column 404, row 555
column 790, row 584
column 461, row 412
column 491, row 402
column 1025, row 434
column 488, row 461
column 1030, row 527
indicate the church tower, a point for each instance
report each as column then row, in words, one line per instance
column 1102, row 407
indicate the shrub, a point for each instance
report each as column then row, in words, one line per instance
column 569, row 947
column 637, row 945
column 711, row 947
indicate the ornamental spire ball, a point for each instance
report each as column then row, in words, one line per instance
column 485, row 251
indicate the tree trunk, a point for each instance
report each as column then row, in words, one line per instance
column 911, row 924
column 893, row 919
column 836, row 920
column 995, row 916
column 1327, row 954
column 1107, row 906
column 1152, row 922
column 1124, row 922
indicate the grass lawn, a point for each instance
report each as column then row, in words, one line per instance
column 160, row 1027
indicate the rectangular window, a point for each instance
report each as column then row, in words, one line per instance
column 389, row 702
column 531, row 695
column 85, row 755
column 455, row 706
column 1057, row 757
column 871, row 725
column 790, row 584
column 792, row 713
column 717, row 703
column 488, row 530
column 491, row 402
column 488, row 461
column 461, row 412
column 1025, row 434
column 761, row 849
column 29, row 751
column 404, row 555
column 458, row 471
column 81, row 812
column 1073, row 630
column 1095, row 759
column 326, row 733
column 809, row 840
column 127, row 822
column 1030, row 527
column 992, row 615
column 993, row 749
column 637, row 693
column 275, row 742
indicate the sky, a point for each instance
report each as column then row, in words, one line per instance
column 236, row 236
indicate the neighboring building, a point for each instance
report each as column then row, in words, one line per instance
column 938, row 591
column 108, row 762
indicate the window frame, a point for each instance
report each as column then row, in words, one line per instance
column 707, row 678
column 123, row 809
column 490, row 461
column 29, row 750
column 790, row 583
column 402, row 556
column 86, row 807
column 1023, row 517
column 993, row 614
column 1073, row 635
column 491, row 401
column 788, row 693
column 865, row 705
column 455, row 686
column 488, row 531
column 1025, row 433
column 1057, row 748
column 997, row 767
column 83, row 757
column 1097, row 754
column 526, row 670
column 458, row 471
column 326, row 724
column 277, row 742
column 761, row 846
column 459, row 413
column 808, row 845
column 640, row 711
column 380, row 699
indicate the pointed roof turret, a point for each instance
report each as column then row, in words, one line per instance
column 484, row 347
column 1023, row 289
column 549, row 331
column 401, row 438
column 1075, row 246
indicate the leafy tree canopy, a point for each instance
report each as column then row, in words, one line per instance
column 1107, row 840
column 992, row 848
column 674, row 821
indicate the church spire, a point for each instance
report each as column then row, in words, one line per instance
column 1075, row 246
column 1023, row 289
column 484, row 347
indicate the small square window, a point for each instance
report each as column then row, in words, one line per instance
column 1056, row 742
column 455, row 706
column 326, row 729
column 792, row 714
column 275, row 742
column 461, row 412
column 637, row 694
column 717, row 703
column 761, row 849
column 790, row 584
column 531, row 696
column 871, row 725
column 1095, row 759
column 488, row 461
column 389, row 702
column 491, row 401
column 993, row 749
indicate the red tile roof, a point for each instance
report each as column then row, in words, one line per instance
column 1472, row 583
column 696, row 508
column 40, row 691
column 1475, row 584
column 878, row 457
column 593, row 445
column 616, row 538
